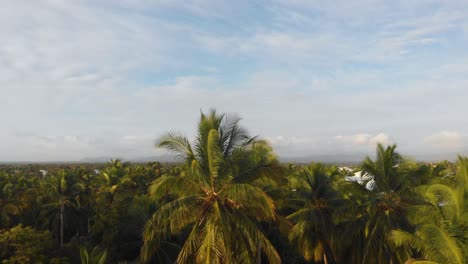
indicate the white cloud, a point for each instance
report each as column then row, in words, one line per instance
column 446, row 140
column 94, row 78
column 45, row 148
column 280, row 46
column 400, row 38
column 358, row 139
column 365, row 139
column 288, row 141
column 380, row 138
column 32, row 147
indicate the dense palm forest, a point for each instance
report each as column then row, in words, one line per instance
column 229, row 200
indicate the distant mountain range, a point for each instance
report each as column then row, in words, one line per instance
column 102, row 159
column 349, row 158
column 330, row 158
column 339, row 158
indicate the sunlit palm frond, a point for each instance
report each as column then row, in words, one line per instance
column 178, row 185
column 404, row 238
column 170, row 219
column 215, row 157
column 448, row 200
column 251, row 200
column 191, row 245
column 205, row 125
column 440, row 246
column 433, row 242
column 462, row 174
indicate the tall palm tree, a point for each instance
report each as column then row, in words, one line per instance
column 215, row 197
column 314, row 230
column 391, row 193
column 63, row 191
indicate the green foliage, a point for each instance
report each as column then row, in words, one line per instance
column 441, row 232
column 313, row 229
column 213, row 201
column 229, row 200
column 25, row 245
column 96, row 256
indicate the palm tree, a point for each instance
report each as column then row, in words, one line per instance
column 214, row 196
column 114, row 194
column 391, row 183
column 384, row 170
column 314, row 230
column 112, row 175
column 63, row 192
column 9, row 206
column 441, row 223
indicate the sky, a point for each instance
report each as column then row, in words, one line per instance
column 102, row 78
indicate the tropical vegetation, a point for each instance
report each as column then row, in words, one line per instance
column 226, row 198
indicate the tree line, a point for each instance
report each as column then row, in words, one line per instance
column 229, row 200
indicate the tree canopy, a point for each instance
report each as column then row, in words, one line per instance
column 226, row 198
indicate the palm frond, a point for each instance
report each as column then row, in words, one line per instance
column 250, row 200
column 170, row 219
column 441, row 247
column 215, row 157
column 178, row 185
column 449, row 200
column 462, row 175
column 191, row 245
column 232, row 135
column 253, row 238
column 205, row 125
column 404, row 238
column 433, row 242
column 178, row 143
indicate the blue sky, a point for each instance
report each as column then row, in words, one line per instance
column 105, row 78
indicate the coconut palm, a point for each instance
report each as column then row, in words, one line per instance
column 350, row 220
column 441, row 234
column 392, row 181
column 314, row 230
column 215, row 197
column 63, row 191
column 9, row 206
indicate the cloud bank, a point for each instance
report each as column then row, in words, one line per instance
column 106, row 78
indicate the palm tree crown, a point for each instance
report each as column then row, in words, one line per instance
column 215, row 196
column 313, row 229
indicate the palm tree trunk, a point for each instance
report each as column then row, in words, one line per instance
column 328, row 256
column 259, row 254
column 61, row 222
column 89, row 227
